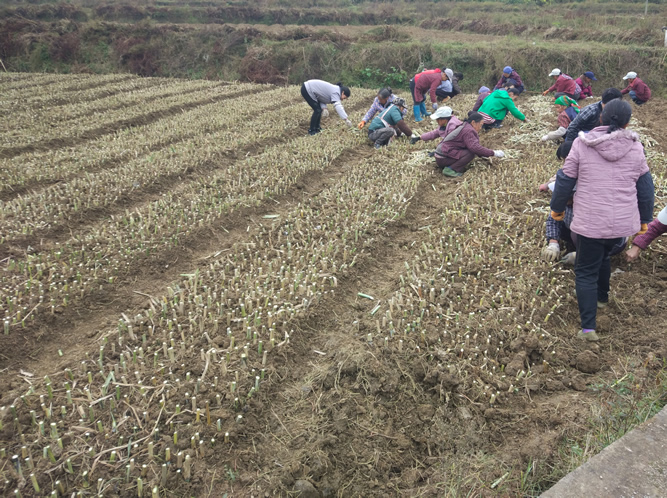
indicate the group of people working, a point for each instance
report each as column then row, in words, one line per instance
column 593, row 211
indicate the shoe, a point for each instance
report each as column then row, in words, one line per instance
column 313, row 132
column 422, row 108
column 590, row 336
column 447, row 171
column 497, row 124
column 602, row 304
column 377, row 145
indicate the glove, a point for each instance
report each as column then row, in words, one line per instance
column 348, row 123
column 498, row 153
column 414, row 139
column 545, row 138
column 435, row 106
column 551, row 252
column 644, row 229
column 325, row 113
column 569, row 259
column 558, row 216
column 361, row 124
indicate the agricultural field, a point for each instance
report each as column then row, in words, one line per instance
column 199, row 299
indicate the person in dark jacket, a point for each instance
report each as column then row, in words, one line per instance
column 483, row 92
column 510, row 78
column 639, row 91
column 461, row 146
column 389, row 124
column 589, row 117
column 614, row 199
column 318, row 94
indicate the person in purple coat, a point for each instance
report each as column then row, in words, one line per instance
column 613, row 199
column 654, row 230
column 460, row 147
column 447, row 122
column 510, row 78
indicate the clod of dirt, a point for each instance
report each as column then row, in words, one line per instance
column 587, row 362
column 306, row 489
column 603, row 323
column 575, row 382
column 517, row 364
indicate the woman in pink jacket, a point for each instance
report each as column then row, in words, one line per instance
column 613, row 199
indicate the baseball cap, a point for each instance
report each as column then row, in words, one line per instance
column 483, row 89
column 442, row 112
column 589, row 74
column 555, row 72
column 630, row 76
column 449, row 73
column 507, row 70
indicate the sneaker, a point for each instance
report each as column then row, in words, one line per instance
column 313, row 132
column 589, row 335
column 378, row 146
column 447, row 171
column 602, row 304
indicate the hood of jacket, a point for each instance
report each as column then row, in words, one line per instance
column 611, row 146
column 501, row 94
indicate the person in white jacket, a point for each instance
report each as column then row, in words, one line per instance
column 318, row 94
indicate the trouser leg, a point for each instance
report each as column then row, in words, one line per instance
column 381, row 136
column 459, row 165
column 317, row 110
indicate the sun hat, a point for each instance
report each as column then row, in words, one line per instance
column 566, row 101
column 630, row 76
column 449, row 73
column 442, row 112
column 483, row 89
column 589, row 74
column 555, row 72
column 507, row 70
column 399, row 102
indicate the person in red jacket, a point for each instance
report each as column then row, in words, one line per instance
column 654, row 230
column 585, row 82
column 427, row 83
column 564, row 85
column 419, row 107
column 638, row 90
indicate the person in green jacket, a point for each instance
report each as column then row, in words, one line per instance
column 495, row 107
column 389, row 124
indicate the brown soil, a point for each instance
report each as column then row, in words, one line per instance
column 343, row 416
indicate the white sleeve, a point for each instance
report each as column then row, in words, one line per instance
column 340, row 110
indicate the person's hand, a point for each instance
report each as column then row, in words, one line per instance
column 558, row 216
column 414, row 139
column 435, row 106
column 545, row 93
column 325, row 113
column 349, row 123
column 643, row 229
column 545, row 138
column 525, row 120
column 551, row 252
column 544, row 187
column 569, row 259
column 498, row 153
column 361, row 124
column 632, row 253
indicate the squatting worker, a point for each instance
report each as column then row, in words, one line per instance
column 389, row 124
column 589, row 117
column 318, row 94
column 510, row 78
column 449, row 88
column 585, row 82
column 458, row 148
column 567, row 110
column 495, row 108
column 427, row 83
column 639, row 91
column 607, row 206
column 384, row 97
column 483, row 93
column 563, row 85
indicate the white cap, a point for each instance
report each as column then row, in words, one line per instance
column 662, row 216
column 442, row 112
column 630, row 76
column 555, row 72
column 449, row 73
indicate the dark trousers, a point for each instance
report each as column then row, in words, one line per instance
column 442, row 94
column 560, row 94
column 317, row 110
column 458, row 165
column 593, row 270
column 412, row 91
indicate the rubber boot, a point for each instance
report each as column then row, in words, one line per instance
column 422, row 108
column 416, row 109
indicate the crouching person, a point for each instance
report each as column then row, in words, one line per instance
column 389, row 124
column 461, row 146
